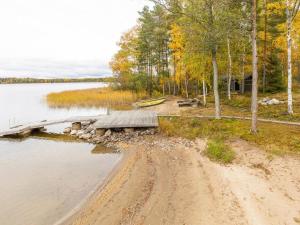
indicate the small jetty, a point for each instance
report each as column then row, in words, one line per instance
column 114, row 119
column 127, row 119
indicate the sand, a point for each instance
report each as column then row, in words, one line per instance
column 169, row 181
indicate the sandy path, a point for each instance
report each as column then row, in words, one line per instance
column 168, row 181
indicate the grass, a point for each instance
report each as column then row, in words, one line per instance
column 96, row 97
column 218, row 151
column 274, row 138
column 240, row 105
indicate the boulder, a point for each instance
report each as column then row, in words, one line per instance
column 76, row 126
column 100, row 132
column 67, row 130
column 85, row 123
column 268, row 101
column 74, row 132
column 79, row 133
column 89, row 129
column 108, row 133
column 274, row 102
column 85, row 136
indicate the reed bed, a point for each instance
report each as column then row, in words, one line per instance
column 96, row 97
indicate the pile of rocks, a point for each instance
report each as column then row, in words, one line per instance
column 269, row 101
column 88, row 133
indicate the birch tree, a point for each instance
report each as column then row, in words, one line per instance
column 292, row 8
column 254, row 104
column 229, row 69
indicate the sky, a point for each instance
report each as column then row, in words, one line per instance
column 62, row 38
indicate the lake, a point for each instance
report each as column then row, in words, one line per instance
column 21, row 103
column 43, row 180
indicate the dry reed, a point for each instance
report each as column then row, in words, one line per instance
column 96, row 97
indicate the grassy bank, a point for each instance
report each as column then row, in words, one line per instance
column 278, row 139
column 96, row 97
column 240, row 105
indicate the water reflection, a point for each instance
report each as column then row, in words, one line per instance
column 42, row 180
column 23, row 103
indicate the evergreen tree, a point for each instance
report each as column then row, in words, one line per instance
column 274, row 79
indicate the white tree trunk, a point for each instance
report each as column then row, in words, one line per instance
column 289, row 59
column 216, row 85
column 254, row 105
column 204, row 92
column 229, row 69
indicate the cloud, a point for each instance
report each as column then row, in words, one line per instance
column 65, row 37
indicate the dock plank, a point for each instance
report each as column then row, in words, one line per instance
column 128, row 119
column 35, row 125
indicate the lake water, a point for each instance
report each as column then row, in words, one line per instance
column 43, row 180
column 21, row 103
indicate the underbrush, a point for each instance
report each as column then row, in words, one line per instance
column 96, row 97
column 274, row 138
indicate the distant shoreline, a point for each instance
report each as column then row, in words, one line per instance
column 14, row 80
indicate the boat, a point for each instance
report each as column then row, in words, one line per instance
column 150, row 102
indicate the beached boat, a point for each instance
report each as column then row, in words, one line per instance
column 150, row 102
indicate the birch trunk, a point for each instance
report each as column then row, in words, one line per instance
column 254, row 104
column 289, row 59
column 216, row 87
column 229, row 69
column 204, row 92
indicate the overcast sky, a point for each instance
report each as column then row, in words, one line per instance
column 62, row 37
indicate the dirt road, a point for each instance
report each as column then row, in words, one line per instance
column 168, row 181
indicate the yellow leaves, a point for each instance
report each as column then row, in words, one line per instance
column 177, row 46
column 177, row 43
column 123, row 63
column 197, row 65
column 276, row 8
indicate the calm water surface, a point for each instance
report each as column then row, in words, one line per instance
column 40, row 180
column 21, row 103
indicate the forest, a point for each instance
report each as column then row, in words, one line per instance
column 212, row 47
column 16, row 80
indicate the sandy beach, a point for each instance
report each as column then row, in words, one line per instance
column 169, row 181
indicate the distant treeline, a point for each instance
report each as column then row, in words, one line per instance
column 14, row 80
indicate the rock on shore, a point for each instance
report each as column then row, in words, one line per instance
column 108, row 136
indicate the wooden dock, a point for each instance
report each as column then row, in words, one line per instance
column 128, row 119
column 115, row 119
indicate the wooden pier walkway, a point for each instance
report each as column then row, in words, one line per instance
column 115, row 119
column 127, row 119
